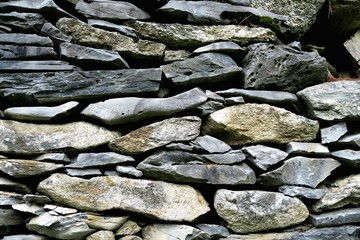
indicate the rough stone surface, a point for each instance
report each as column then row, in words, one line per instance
column 9, row 217
column 124, row 30
column 352, row 46
column 128, row 228
column 331, row 101
column 128, row 171
column 34, row 65
column 166, row 231
column 305, row 148
column 101, row 235
column 215, row 231
column 259, row 123
column 22, row 39
column 252, row 211
column 29, row 139
column 86, row 160
column 131, row 109
column 280, row 67
column 53, row 32
column 155, row 199
column 220, row 47
column 335, row 218
column 106, row 222
column 25, row 237
column 211, row 144
column 157, row 134
column 10, row 198
column 26, row 52
column 302, row 192
column 333, row 133
column 22, row 22
column 28, row 208
column 53, row 157
column 89, row 172
column 352, row 140
column 300, row 171
column 10, row 185
column 348, row 156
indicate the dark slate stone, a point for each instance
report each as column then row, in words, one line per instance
column 229, row 158
column 333, row 133
column 234, row 101
column 36, row 66
column 125, row 30
column 25, row 39
column 64, row 86
column 37, row 198
column 207, row 68
column 348, row 156
column 22, row 22
column 53, row 32
column 91, row 160
column 221, row 47
column 26, row 52
column 209, row 107
column 271, row 97
column 211, row 145
column 180, row 146
column 91, row 58
column 215, row 231
column 280, row 67
column 10, row 217
column 302, row 192
column 335, row 218
column 214, row 96
column 13, row 186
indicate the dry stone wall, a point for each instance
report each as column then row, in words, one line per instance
column 190, row 120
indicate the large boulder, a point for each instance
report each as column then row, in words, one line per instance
column 259, row 123
column 155, row 199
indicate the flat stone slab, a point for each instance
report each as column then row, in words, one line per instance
column 30, row 139
column 333, row 133
column 23, row 39
column 10, row 217
column 211, row 144
column 43, row 114
column 35, row 66
column 306, row 148
column 88, row 160
column 124, row 30
column 65, row 86
column 157, row 134
column 21, row 22
column 13, row 186
column 351, row 140
column 10, row 52
column 132, row 109
column 159, row 200
column 50, row 30
column 344, row 104
column 335, row 218
column 10, row 198
column 226, row 47
column 302, row 192
column 253, row 211
column 348, row 156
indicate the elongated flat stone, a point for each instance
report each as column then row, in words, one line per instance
column 13, row 186
column 50, row 30
column 10, row 52
column 33, row 65
column 85, row 160
column 305, row 148
column 22, row 39
column 9, row 217
column 124, row 30
column 302, row 192
column 131, row 109
column 348, row 156
column 333, row 133
column 10, row 198
column 156, row 199
column 22, row 22
column 335, row 218
column 105, row 222
column 29, row 139
column 226, row 47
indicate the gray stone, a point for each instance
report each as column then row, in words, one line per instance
column 302, row 192
column 9, row 217
column 178, row 166
column 264, row 156
column 25, row 40
column 124, row 30
column 234, row 101
column 22, row 22
column 253, row 211
column 211, row 144
column 91, row 58
column 60, row 210
column 10, row 198
column 166, row 231
column 342, row 192
column 175, row 55
column 33, row 65
column 229, row 158
column 348, row 156
column 352, row 46
column 198, row 235
column 333, row 133
column 131, row 109
column 25, row 237
column 214, row 96
column 43, row 114
column 37, row 198
column 29, row 139
column 350, row 140
column 280, row 67
column 128, row 171
column 215, row 231
column 20, row 168
column 182, row 36
column 89, row 85
column 109, row 223
column 259, row 123
column 113, row 11
column 61, row 227
column 331, row 101
column 207, row 68
column 8, row 52
column 209, row 107
column 335, row 218
column 271, row 97
column 180, row 147
column 53, row 32
column 300, row 171
column 10, row 185
column 83, row 172
column 306, row 148
column 53, row 157
column 101, row 235
column 155, row 199
column 29, row 208
column 213, row 13
column 128, row 228
column 221, row 47
column 142, row 51
column 131, row 237
column 89, row 160
column 157, row 134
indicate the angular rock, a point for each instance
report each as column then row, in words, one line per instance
column 141, row 51
column 215, row 231
column 25, row 40
column 19, row 168
column 157, row 134
column 61, row 227
column 10, row 52
column 60, row 210
column 342, row 192
column 33, row 65
column 302, row 14
column 211, row 144
column 302, row 192
column 128, row 171
column 43, row 114
column 89, row 172
column 22, row 22
column 331, row 101
column 176, row 55
column 253, row 211
column 53, row 32
column 9, row 217
column 259, row 123
column 91, row 58
column 280, row 67
column 131, row 109
column 124, row 30
column 348, row 156
column 29, row 139
column 333, row 133
column 209, row 107
column 166, row 231
column 10, row 185
column 205, row 69
column 350, row 140
column 53, row 157
column 264, row 156
column 234, row 101
column 86, row 160
column 335, row 218
column 37, row 198
column 185, row 167
column 44, row 87
column 155, row 199
column 10, row 198
column 29, row 208
column 101, row 235
column 25, row 237
column 271, row 97
column 300, row 171
column 213, row 13
column 306, row 148
column 221, row 47
column 106, row 222
column 128, row 228
column 182, row 36
column 352, row 46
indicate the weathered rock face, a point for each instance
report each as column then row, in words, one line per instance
column 166, row 231
column 274, row 67
column 252, row 211
column 352, row 46
column 107, row 193
column 334, row 218
column 333, row 100
column 22, row 22
column 259, row 123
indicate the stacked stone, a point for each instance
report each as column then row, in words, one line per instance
column 173, row 120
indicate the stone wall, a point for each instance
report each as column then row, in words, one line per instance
column 162, row 120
